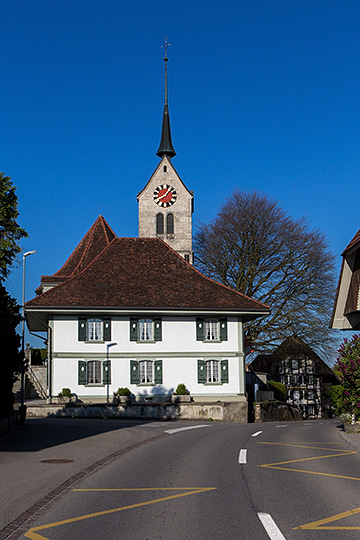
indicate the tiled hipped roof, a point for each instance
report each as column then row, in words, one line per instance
column 96, row 239
column 143, row 273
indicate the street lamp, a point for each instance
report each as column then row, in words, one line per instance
column 108, row 345
column 22, row 407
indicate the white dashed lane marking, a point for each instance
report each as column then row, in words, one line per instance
column 270, row 527
column 242, row 456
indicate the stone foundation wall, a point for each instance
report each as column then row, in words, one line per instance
column 225, row 412
column 275, row 411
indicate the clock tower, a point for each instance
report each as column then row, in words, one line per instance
column 165, row 203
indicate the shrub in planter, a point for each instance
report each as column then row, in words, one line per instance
column 181, row 390
column 181, row 393
column 122, row 395
column 123, row 392
column 65, row 394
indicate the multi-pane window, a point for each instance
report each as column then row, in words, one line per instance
column 146, row 330
column 211, row 329
column 93, row 372
column 212, row 371
column 94, row 330
column 146, row 371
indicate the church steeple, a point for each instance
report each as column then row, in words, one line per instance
column 166, row 147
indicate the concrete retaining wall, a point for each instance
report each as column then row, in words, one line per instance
column 225, row 412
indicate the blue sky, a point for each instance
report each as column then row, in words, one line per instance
column 263, row 95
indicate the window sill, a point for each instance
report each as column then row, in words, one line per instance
column 98, row 385
column 212, row 341
column 218, row 383
column 94, row 341
column 146, row 384
column 146, row 341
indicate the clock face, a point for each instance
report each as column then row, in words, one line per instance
column 165, row 195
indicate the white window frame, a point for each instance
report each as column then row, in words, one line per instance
column 94, row 372
column 212, row 372
column 211, row 330
column 146, row 372
column 146, row 330
column 94, row 330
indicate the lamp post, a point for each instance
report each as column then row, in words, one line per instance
column 108, row 345
column 22, row 381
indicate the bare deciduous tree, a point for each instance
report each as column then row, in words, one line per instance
column 253, row 246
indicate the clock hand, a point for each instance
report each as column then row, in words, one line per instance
column 162, row 196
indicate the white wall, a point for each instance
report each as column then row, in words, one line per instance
column 178, row 350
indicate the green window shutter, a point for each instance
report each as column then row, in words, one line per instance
column 106, row 372
column 224, row 371
column 223, row 329
column 82, row 330
column 201, row 371
column 82, row 372
column 200, row 329
column 157, row 330
column 158, row 372
column 107, row 329
column 134, row 372
column 133, row 329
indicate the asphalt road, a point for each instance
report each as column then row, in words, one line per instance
column 208, row 480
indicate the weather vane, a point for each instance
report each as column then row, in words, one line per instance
column 165, row 46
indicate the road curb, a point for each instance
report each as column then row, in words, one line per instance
column 22, row 523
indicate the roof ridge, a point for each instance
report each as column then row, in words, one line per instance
column 73, row 276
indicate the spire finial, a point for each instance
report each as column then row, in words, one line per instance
column 165, row 47
column 166, row 147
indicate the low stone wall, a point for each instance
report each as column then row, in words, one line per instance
column 225, row 412
column 275, row 411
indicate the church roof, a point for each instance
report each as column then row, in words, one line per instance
column 96, row 239
column 166, row 147
column 143, row 274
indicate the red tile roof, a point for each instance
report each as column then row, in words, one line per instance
column 141, row 273
column 96, row 239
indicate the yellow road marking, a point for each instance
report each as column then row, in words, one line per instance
column 297, row 445
column 141, row 489
column 32, row 533
column 322, row 523
column 317, row 524
column 307, row 459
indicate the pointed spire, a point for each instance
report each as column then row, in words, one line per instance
column 166, row 148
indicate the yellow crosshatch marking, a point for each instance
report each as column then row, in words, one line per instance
column 321, row 524
column 33, row 534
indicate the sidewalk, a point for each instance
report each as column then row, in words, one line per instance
column 45, row 453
